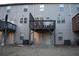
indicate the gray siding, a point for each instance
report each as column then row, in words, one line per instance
column 50, row 10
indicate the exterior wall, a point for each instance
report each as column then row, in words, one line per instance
column 65, row 28
column 15, row 14
column 50, row 10
column 73, row 13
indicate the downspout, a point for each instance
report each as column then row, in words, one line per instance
column 5, row 29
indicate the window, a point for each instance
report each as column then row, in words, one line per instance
column 21, row 20
column 58, row 21
column 41, row 18
column 41, row 7
column 77, row 8
column 60, row 38
column 25, row 20
column 21, row 37
column 61, row 7
column 47, row 17
column 36, row 18
column 60, row 32
column 25, row 9
column 63, row 21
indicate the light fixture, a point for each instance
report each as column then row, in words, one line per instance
column 41, row 6
column 61, row 5
column 8, row 9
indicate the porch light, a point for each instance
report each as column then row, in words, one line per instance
column 8, row 8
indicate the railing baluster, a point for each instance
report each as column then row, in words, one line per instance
column 39, row 25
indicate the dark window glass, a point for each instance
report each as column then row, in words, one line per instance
column 60, row 38
column 41, row 18
column 47, row 17
column 25, row 9
column 25, row 20
column 63, row 21
column 77, row 8
column 37, row 18
column 21, row 37
column 61, row 8
column 21, row 20
column 58, row 21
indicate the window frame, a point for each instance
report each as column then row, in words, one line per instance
column 60, row 38
column 25, row 9
column 77, row 8
column 25, row 20
column 21, row 20
column 61, row 7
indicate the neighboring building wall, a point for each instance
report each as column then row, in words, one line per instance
column 15, row 14
column 52, row 11
column 74, row 11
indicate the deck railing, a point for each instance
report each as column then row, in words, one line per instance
column 39, row 25
column 9, row 26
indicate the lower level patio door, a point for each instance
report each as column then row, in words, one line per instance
column 42, row 39
column 10, row 38
column 1, row 37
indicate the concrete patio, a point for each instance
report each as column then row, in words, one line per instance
column 28, row 51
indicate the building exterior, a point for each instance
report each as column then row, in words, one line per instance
column 62, row 14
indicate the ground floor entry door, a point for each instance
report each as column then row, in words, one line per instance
column 42, row 39
column 10, row 38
